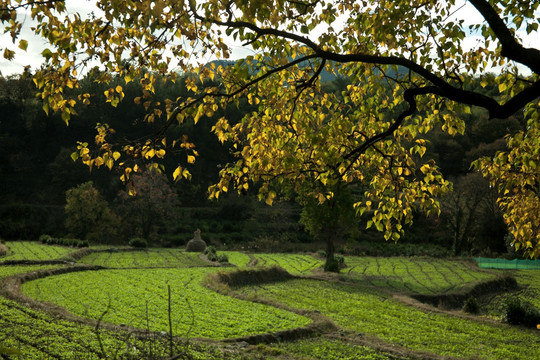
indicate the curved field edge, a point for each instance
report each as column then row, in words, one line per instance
column 434, row 356
column 34, row 251
column 72, row 340
column 197, row 312
column 374, row 314
column 225, row 282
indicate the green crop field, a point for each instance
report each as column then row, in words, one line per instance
column 236, row 258
column 28, row 334
column 143, row 259
column 26, row 250
column 414, row 275
column 293, row 263
column 8, row 270
column 529, row 282
column 143, row 297
column 365, row 310
column 132, row 292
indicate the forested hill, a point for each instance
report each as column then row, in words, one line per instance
column 36, row 168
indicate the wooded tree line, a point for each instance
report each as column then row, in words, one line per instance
column 410, row 73
column 34, row 143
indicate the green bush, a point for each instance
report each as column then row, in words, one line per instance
column 331, row 265
column 49, row 240
column 210, row 250
column 45, row 239
column 340, row 260
column 471, row 306
column 138, row 243
column 521, row 312
column 82, row 243
column 212, row 256
column 334, row 264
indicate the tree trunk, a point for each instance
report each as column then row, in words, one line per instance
column 331, row 264
column 329, row 249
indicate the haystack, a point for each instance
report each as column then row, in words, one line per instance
column 196, row 244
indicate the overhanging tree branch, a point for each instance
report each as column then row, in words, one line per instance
column 510, row 47
column 529, row 57
column 410, row 97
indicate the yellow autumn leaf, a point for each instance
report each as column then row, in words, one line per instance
column 186, row 174
column 177, row 173
column 160, row 153
column 424, row 169
column 99, row 161
column 270, row 198
column 149, row 154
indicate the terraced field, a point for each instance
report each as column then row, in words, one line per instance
column 132, row 291
column 413, row 275
column 293, row 263
column 163, row 258
column 27, row 250
column 365, row 310
column 142, row 301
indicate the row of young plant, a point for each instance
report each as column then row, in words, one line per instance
column 28, row 250
column 365, row 310
column 10, row 270
column 414, row 275
column 143, row 259
column 28, row 334
column 294, row 263
column 141, row 301
column 238, row 259
column 318, row 301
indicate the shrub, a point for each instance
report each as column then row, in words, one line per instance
column 321, row 254
column 331, row 265
column 471, row 306
column 520, row 312
column 45, row 239
column 82, row 243
column 138, row 243
column 340, row 260
column 210, row 250
column 212, row 255
column 334, row 264
column 49, row 240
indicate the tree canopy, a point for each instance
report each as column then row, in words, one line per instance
column 408, row 68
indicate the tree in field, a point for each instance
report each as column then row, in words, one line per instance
column 332, row 220
column 88, row 215
column 410, row 68
column 155, row 201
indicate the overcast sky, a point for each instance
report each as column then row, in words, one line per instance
column 32, row 56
